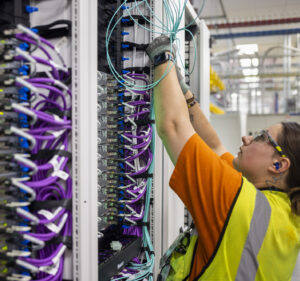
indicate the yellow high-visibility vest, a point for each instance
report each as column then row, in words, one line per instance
column 260, row 242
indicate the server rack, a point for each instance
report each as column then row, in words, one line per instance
column 84, row 144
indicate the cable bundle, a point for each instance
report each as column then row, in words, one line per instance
column 36, row 222
column 125, row 165
column 140, row 13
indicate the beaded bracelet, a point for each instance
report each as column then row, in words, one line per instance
column 191, row 102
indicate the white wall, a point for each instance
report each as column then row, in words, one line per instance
column 260, row 122
column 229, row 130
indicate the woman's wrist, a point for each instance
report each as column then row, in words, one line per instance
column 188, row 95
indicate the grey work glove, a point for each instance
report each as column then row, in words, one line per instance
column 159, row 45
column 183, row 85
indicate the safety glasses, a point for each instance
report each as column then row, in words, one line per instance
column 265, row 136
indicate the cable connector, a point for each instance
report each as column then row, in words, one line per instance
column 30, row 9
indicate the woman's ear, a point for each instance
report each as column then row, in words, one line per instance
column 280, row 165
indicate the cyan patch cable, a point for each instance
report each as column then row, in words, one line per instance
column 174, row 13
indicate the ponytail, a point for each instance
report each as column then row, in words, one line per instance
column 289, row 140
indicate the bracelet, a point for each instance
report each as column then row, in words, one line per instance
column 191, row 102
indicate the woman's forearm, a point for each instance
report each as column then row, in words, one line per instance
column 203, row 128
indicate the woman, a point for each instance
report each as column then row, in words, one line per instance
column 246, row 208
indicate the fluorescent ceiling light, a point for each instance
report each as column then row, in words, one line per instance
column 247, row 49
column 251, row 79
column 250, row 71
column 245, row 62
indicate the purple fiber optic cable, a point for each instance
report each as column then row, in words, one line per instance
column 53, row 90
column 50, row 187
column 44, row 62
column 25, row 38
column 46, row 104
column 48, row 128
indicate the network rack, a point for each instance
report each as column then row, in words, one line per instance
column 36, row 184
column 85, row 200
column 125, row 145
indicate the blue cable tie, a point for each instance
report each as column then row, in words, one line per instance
column 23, row 70
column 121, row 94
column 31, row 9
column 124, row 46
column 123, row 59
column 26, row 208
column 25, row 242
column 24, row 169
column 23, row 142
column 124, row 7
column 125, row 33
column 24, row 46
column 125, row 71
column 23, row 116
column 23, row 97
column 35, row 30
column 125, row 20
column 23, row 90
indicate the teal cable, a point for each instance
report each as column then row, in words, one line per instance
column 118, row 77
column 171, row 15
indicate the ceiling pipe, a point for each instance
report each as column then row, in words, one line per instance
column 253, row 23
column 257, row 33
column 261, row 75
column 226, row 17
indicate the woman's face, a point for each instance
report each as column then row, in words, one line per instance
column 257, row 155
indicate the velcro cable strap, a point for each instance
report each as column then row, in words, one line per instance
column 143, row 175
column 55, row 33
column 140, row 70
column 60, row 113
column 127, row 21
column 49, row 32
column 130, row 45
column 143, row 223
column 144, row 122
column 49, row 153
column 66, row 240
column 50, row 204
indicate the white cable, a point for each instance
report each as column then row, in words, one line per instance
column 25, row 110
column 23, row 158
column 18, row 183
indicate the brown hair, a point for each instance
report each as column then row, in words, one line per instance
column 289, row 140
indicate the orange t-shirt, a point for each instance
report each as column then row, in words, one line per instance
column 207, row 184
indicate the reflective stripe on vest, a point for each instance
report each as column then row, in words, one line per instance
column 258, row 228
